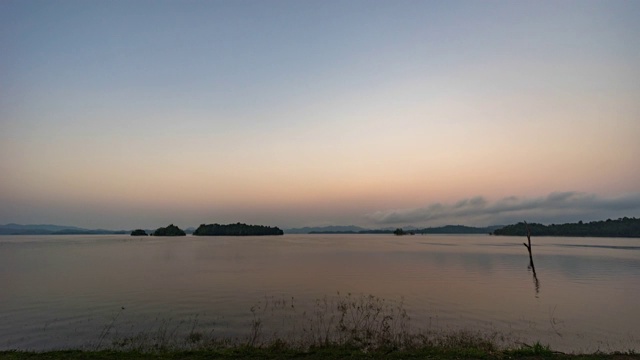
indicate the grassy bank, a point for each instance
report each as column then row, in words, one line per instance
column 344, row 327
column 328, row 352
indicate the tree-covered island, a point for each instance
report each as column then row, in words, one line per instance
column 400, row 232
column 139, row 232
column 237, row 229
column 170, row 230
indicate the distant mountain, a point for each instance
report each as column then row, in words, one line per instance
column 18, row 229
column 447, row 229
column 324, row 229
column 459, row 229
column 89, row 232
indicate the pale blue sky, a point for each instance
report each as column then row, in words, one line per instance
column 135, row 113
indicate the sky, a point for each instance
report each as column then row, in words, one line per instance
column 135, row 114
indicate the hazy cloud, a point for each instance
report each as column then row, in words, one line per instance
column 557, row 207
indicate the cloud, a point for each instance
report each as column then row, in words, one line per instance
column 557, row 207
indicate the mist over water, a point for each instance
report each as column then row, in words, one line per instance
column 62, row 291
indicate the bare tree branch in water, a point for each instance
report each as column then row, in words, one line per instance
column 531, row 266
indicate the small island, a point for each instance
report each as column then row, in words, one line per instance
column 139, row 232
column 170, row 230
column 237, row 229
column 401, row 232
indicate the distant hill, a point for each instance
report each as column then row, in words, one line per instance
column 458, row 229
column 448, row 229
column 324, row 229
column 624, row 227
column 89, row 232
column 18, row 229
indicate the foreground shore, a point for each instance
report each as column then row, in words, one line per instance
column 329, row 352
column 365, row 327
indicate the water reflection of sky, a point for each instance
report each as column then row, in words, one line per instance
column 462, row 281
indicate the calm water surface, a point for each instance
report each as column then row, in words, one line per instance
column 63, row 291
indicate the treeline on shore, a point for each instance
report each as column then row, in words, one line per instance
column 238, row 229
column 623, row 227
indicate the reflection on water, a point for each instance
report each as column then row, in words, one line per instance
column 536, row 282
column 600, row 246
column 62, row 291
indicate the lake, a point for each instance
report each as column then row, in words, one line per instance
column 78, row 291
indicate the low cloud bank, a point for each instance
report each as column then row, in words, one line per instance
column 557, row 207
